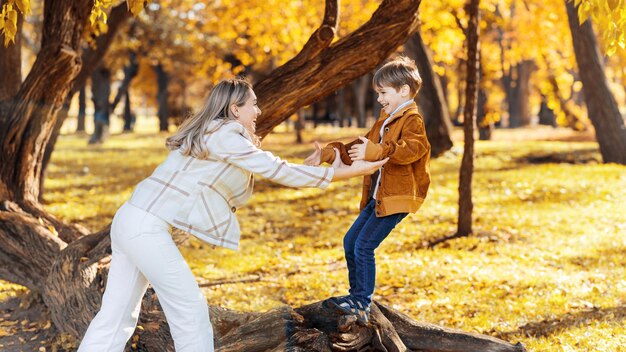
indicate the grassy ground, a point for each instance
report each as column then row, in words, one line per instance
column 545, row 265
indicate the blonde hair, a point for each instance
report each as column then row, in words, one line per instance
column 397, row 73
column 189, row 138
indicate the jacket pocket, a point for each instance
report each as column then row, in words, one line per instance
column 397, row 170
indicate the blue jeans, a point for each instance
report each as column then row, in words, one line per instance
column 364, row 236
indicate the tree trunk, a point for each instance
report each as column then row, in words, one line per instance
column 469, row 115
column 315, row 113
column 91, row 59
column 341, row 107
column 518, row 94
column 68, row 267
column 82, row 110
column 485, row 127
column 163, row 80
column 546, row 115
column 359, row 88
column 315, row 327
column 26, row 126
column 130, row 72
column 129, row 118
column 601, row 106
column 431, row 97
column 100, row 95
column 299, row 126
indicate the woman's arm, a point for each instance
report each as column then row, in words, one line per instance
column 358, row 168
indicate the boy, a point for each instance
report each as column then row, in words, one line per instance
column 396, row 189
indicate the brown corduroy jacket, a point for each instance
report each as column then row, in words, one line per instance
column 405, row 178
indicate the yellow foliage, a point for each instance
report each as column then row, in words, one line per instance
column 8, row 24
column 135, row 6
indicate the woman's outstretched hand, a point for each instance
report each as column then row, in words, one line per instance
column 358, row 167
column 315, row 158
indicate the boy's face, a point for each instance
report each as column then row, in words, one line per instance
column 390, row 98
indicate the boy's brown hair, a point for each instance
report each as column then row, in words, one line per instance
column 398, row 72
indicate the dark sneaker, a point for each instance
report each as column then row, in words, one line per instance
column 349, row 305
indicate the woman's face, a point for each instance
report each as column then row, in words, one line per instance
column 248, row 112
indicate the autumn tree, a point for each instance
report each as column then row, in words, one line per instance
column 469, row 115
column 603, row 110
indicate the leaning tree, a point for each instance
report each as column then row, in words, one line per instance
column 67, row 266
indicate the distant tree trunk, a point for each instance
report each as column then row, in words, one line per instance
column 129, row 119
column 315, row 113
column 469, row 114
column 299, row 126
column 518, row 94
column 431, row 99
column 377, row 107
column 546, row 115
column 82, row 108
column 601, row 106
column 359, row 87
column 461, row 105
column 130, row 72
column 100, row 93
column 163, row 80
column 341, row 107
column 485, row 127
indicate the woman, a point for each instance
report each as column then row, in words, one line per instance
column 205, row 178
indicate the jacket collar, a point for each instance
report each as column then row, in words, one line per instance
column 399, row 113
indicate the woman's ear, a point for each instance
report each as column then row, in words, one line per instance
column 234, row 109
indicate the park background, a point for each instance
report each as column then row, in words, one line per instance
column 542, row 262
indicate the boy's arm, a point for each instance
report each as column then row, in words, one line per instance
column 328, row 153
column 411, row 146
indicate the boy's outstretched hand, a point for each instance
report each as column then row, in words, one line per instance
column 315, row 158
column 357, row 152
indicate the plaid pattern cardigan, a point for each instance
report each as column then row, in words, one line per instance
column 201, row 196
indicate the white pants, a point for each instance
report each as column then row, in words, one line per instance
column 143, row 252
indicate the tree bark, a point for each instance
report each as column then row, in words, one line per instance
column 469, row 115
column 35, row 106
column 431, row 97
column 601, row 106
column 315, row 327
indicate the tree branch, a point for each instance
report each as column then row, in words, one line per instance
column 314, row 74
